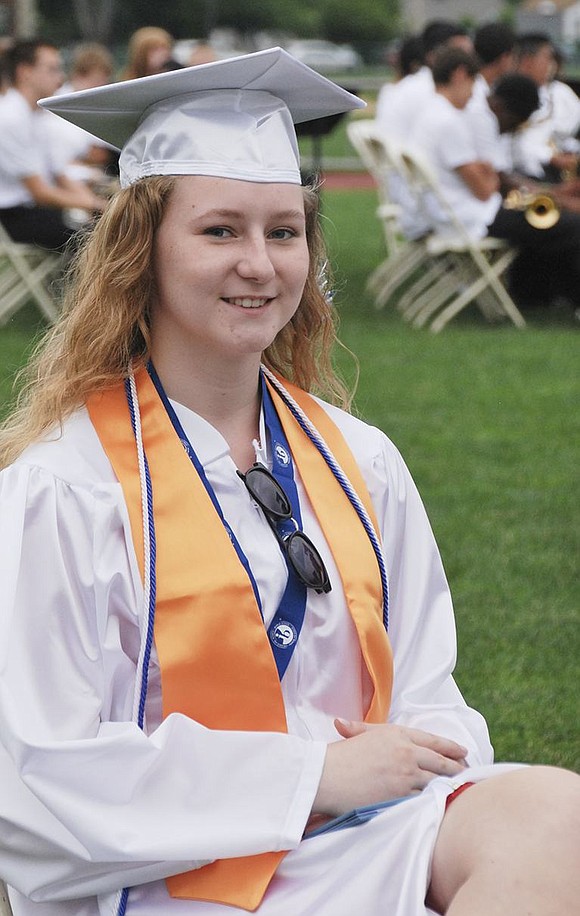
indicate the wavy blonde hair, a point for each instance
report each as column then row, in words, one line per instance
column 144, row 40
column 104, row 326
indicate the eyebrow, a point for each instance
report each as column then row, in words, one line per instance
column 236, row 214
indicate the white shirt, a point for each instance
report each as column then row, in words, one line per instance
column 400, row 105
column 445, row 138
column 24, row 149
column 565, row 115
column 484, row 127
column 90, row 803
column 551, row 127
column 69, row 146
column 533, row 146
column 70, row 143
column 398, row 114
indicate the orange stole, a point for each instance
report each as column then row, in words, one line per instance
column 199, row 580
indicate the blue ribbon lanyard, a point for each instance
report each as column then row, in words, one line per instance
column 288, row 619
column 286, row 625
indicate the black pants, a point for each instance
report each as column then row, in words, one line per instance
column 548, row 264
column 42, row 226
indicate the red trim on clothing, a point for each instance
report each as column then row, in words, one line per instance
column 458, row 791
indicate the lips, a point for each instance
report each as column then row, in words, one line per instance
column 248, row 302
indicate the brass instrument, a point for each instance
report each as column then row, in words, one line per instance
column 540, row 210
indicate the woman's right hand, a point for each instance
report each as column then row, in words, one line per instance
column 375, row 763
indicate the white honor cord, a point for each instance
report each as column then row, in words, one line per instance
column 335, row 467
column 320, row 444
column 136, row 417
column 145, row 622
column 146, row 546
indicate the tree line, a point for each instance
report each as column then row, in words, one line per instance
column 363, row 23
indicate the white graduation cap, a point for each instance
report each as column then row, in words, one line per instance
column 231, row 118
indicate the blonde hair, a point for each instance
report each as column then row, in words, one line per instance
column 141, row 43
column 104, row 326
column 90, row 57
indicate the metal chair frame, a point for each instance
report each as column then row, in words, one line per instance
column 24, row 274
column 381, row 157
column 470, row 270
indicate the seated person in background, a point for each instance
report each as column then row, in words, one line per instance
column 494, row 117
column 566, row 115
column 399, row 104
column 541, row 149
column 493, row 44
column 408, row 57
column 150, row 49
column 92, row 65
column 471, row 185
column 33, row 191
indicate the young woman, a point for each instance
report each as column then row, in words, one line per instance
column 204, row 668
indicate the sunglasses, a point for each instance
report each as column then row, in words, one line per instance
column 274, row 503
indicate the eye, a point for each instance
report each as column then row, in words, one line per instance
column 218, row 232
column 280, row 235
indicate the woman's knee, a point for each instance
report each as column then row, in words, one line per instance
column 508, row 821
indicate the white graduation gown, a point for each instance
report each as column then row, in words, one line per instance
column 90, row 804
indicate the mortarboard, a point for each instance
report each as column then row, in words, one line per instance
column 231, row 118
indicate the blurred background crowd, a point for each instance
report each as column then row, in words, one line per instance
column 489, row 96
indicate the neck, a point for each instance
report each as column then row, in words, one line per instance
column 227, row 396
column 448, row 92
column 490, row 73
column 29, row 95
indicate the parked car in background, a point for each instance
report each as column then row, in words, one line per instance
column 324, row 55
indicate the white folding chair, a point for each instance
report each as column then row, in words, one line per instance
column 381, row 157
column 25, row 272
column 375, row 156
column 470, row 269
column 5, row 908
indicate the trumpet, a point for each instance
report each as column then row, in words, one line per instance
column 540, row 210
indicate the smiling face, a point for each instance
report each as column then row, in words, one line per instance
column 230, row 263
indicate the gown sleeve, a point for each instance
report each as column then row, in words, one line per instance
column 98, row 803
column 422, row 627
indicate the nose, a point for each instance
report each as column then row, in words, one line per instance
column 255, row 262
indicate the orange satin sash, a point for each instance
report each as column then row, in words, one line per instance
column 200, row 580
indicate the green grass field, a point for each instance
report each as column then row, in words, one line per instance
column 487, row 419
